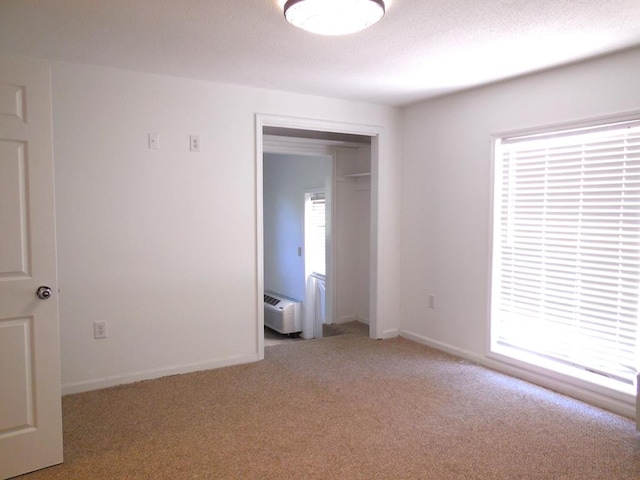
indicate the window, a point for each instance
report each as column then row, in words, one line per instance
column 315, row 233
column 566, row 252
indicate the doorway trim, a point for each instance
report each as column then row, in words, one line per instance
column 266, row 120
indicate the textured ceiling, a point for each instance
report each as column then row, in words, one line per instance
column 421, row 48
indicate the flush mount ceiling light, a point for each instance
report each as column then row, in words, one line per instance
column 333, row 17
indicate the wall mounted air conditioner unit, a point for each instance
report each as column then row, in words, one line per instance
column 282, row 314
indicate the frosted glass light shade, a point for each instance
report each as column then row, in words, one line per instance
column 333, row 17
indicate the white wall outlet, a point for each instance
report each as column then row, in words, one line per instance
column 99, row 330
column 194, row 143
column 154, row 141
column 431, row 301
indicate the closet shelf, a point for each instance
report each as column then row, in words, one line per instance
column 358, row 175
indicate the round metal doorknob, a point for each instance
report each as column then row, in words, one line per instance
column 44, row 292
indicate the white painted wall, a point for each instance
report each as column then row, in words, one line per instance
column 446, row 187
column 286, row 179
column 161, row 244
column 353, row 235
column 363, row 224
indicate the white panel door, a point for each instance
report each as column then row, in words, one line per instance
column 30, row 404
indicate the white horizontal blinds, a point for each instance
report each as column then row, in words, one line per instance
column 567, row 275
column 318, row 233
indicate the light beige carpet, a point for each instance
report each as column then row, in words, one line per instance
column 344, row 407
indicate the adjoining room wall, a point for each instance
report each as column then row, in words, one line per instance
column 161, row 244
column 446, row 187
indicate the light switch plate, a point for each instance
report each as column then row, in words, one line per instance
column 194, row 142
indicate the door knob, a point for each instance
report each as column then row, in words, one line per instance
column 43, row 292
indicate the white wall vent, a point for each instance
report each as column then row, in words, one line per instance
column 282, row 314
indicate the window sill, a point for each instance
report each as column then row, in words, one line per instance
column 588, row 387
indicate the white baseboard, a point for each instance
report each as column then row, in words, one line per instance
column 112, row 381
column 445, row 347
column 615, row 405
column 390, row 333
column 352, row 318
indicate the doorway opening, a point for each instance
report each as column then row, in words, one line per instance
column 346, row 290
